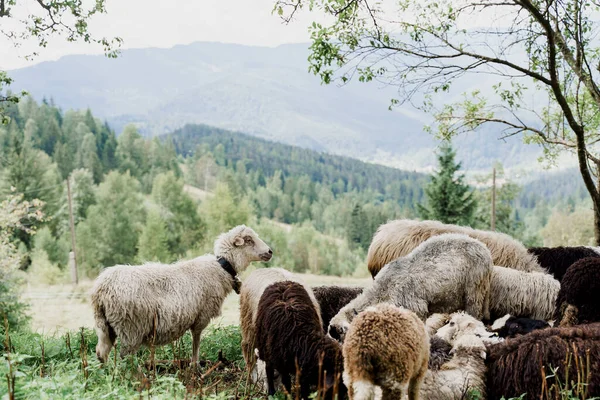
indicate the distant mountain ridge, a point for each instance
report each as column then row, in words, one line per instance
column 265, row 92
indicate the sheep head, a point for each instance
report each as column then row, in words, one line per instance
column 241, row 246
column 461, row 323
column 470, row 342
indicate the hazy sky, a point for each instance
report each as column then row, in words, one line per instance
column 154, row 23
column 147, row 23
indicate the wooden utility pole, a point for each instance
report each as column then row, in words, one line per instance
column 494, row 199
column 72, row 224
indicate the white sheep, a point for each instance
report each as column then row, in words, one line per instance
column 386, row 347
column 461, row 323
column 252, row 289
column 444, row 274
column 155, row 304
column 522, row 294
column 466, row 371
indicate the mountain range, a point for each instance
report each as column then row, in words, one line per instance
column 265, row 92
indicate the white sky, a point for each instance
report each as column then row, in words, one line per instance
column 152, row 23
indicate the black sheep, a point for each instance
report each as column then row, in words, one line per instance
column 515, row 365
column 513, row 326
column 289, row 334
column 332, row 298
column 557, row 260
column 578, row 301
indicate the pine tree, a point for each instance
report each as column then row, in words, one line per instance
column 449, row 199
column 153, row 244
column 357, row 229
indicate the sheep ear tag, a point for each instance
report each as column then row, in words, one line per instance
column 239, row 241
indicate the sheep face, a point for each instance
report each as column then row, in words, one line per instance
column 339, row 325
column 245, row 243
column 462, row 323
column 254, row 248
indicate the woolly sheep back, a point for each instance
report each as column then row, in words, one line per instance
column 398, row 238
column 557, row 260
column 388, row 347
column 332, row 298
column 156, row 303
column 444, row 274
column 252, row 289
column 289, row 331
column 522, row 294
column 514, row 366
column 579, row 289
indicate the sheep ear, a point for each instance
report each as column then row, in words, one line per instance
column 238, row 241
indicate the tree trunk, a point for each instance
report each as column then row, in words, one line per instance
column 597, row 209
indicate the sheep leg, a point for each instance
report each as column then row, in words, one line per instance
column 286, row 381
column 195, row 345
column 414, row 384
column 477, row 295
column 270, row 379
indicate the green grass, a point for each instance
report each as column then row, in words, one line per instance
column 66, row 367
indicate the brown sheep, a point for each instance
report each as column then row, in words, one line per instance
column 386, row 347
column 289, row 334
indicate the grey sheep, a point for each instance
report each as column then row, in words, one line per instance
column 444, row 274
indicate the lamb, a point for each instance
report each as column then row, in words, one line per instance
column 578, row 301
column 400, row 237
column 465, row 371
column 558, row 259
column 386, row 347
column 445, row 273
column 515, row 365
column 252, row 289
column 289, row 334
column 522, row 294
column 509, row 326
column 332, row 298
column 461, row 323
column 156, row 304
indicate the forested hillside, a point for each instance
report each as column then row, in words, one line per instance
column 131, row 204
column 265, row 158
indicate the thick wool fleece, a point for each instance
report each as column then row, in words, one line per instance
column 332, row 298
column 155, row 303
column 289, row 333
column 444, row 274
column 388, row 347
column 522, row 294
column 464, row 373
column 135, row 300
column 579, row 294
column 252, row 289
column 400, row 237
column 557, row 260
column 515, row 365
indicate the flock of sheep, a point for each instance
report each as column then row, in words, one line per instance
column 451, row 311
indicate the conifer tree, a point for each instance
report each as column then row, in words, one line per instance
column 449, row 198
